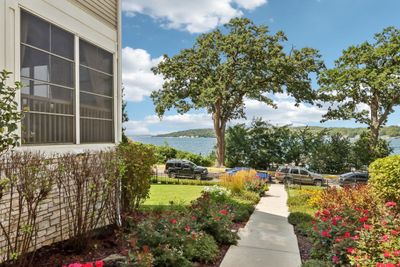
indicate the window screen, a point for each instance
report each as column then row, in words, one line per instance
column 96, row 93
column 47, row 73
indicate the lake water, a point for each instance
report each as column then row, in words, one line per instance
column 205, row 146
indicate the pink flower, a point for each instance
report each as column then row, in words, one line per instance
column 396, row 253
column 367, row 226
column 394, row 232
column 224, row 212
column 187, row 229
column 385, row 238
column 390, row 204
column 335, row 259
column 350, row 250
column 173, row 221
column 99, row 264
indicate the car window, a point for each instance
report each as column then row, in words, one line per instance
column 178, row 164
column 363, row 176
column 185, row 165
column 303, row 172
column 294, row 171
column 283, row 169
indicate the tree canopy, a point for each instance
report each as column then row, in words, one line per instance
column 226, row 67
column 364, row 84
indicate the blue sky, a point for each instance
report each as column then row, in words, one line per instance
column 152, row 28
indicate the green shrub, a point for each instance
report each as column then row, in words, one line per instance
column 385, row 177
column 203, row 248
column 296, row 218
column 137, row 160
column 252, row 197
column 316, row 263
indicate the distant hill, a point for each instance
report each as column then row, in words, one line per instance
column 389, row 131
column 190, row 133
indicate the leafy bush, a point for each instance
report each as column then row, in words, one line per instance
column 252, row 197
column 217, row 192
column 316, row 263
column 385, row 177
column 167, row 180
column 379, row 244
column 9, row 115
column 236, row 182
column 201, row 248
column 138, row 160
column 258, row 186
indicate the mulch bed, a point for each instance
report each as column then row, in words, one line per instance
column 305, row 245
column 107, row 241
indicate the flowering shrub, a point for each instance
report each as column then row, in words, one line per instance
column 379, row 244
column 258, row 186
column 88, row 264
column 353, row 226
column 236, row 182
column 217, row 192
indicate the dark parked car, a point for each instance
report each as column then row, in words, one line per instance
column 184, row 168
column 298, row 175
column 353, row 178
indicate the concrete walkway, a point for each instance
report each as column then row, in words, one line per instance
column 267, row 240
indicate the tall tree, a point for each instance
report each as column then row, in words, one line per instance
column 124, row 118
column 224, row 68
column 366, row 75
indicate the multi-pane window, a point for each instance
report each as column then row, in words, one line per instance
column 47, row 73
column 96, row 93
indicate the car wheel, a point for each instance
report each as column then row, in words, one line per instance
column 197, row 176
column 172, row 175
column 318, row 183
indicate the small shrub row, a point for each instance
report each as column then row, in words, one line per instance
column 167, row 180
column 180, row 238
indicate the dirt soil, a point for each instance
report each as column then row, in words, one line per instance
column 305, row 246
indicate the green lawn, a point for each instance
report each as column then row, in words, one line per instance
column 163, row 195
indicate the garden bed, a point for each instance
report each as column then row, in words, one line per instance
column 172, row 207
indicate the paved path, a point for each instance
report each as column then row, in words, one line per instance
column 267, row 240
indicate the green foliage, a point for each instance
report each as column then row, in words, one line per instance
column 316, row 263
column 137, row 160
column 385, row 177
column 9, row 115
column 167, row 180
column 363, row 153
column 366, row 74
column 224, row 68
column 203, row 249
column 125, row 117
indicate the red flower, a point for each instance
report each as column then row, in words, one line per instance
column 315, row 228
column 396, row 253
column 99, row 264
column 394, row 232
column 386, row 254
column 385, row 238
column 363, row 219
column 335, row 259
column 338, row 240
column 173, row 221
column 390, row 204
column 366, row 211
column 390, row 265
column 367, row 226
column 347, row 234
column 326, row 212
column 379, row 264
column 187, row 228
column 325, row 233
column 350, row 250
column 194, row 218
column 224, row 212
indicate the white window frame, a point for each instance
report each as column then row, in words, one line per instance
column 77, row 37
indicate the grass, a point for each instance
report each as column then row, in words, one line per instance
column 171, row 195
column 301, row 213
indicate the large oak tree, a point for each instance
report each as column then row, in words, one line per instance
column 227, row 66
column 364, row 84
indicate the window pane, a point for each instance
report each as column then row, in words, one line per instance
column 95, row 82
column 96, row 131
column 35, row 31
column 43, row 128
column 47, row 98
column 62, row 42
column 95, row 106
column 95, row 57
column 34, row 64
column 62, row 72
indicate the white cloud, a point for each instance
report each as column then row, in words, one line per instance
column 137, row 77
column 190, row 15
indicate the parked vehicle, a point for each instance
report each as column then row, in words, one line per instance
column 353, row 178
column 184, row 168
column 298, row 175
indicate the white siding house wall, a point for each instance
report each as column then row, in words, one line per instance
column 72, row 17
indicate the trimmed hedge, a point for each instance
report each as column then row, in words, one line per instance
column 385, row 177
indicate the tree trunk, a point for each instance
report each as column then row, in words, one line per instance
column 375, row 122
column 219, row 128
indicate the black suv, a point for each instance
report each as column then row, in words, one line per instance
column 353, row 178
column 184, row 168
